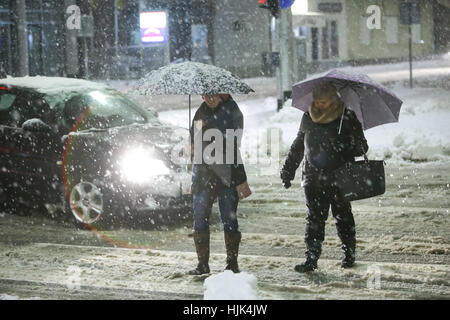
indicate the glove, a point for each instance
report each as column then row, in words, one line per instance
column 287, row 184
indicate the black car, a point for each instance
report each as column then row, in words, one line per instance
column 82, row 146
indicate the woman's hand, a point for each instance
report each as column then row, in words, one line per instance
column 243, row 190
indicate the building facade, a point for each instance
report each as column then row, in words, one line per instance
column 363, row 31
column 128, row 38
column 32, row 37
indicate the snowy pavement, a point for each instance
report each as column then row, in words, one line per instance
column 403, row 249
column 403, row 236
column 160, row 274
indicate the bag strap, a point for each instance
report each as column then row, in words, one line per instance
column 365, row 158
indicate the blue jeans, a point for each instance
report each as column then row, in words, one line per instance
column 228, row 202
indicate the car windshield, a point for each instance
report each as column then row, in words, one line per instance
column 103, row 109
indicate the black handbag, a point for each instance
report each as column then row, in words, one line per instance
column 361, row 179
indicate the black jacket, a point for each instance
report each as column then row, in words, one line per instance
column 225, row 116
column 324, row 149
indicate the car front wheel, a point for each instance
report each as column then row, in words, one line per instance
column 86, row 203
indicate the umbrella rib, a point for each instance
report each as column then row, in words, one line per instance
column 359, row 100
column 382, row 98
column 385, row 105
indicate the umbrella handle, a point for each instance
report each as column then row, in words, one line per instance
column 342, row 118
column 189, row 126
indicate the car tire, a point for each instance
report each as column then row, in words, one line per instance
column 86, row 204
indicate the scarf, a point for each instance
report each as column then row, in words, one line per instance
column 328, row 115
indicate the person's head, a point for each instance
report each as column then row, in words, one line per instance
column 73, row 109
column 324, row 95
column 212, row 101
column 225, row 96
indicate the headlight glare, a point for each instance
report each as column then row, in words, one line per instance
column 139, row 165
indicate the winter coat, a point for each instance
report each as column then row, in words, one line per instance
column 324, row 149
column 226, row 115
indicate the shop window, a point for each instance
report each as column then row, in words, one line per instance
column 325, row 43
column 5, row 48
column 330, row 40
column 334, row 39
column 315, row 43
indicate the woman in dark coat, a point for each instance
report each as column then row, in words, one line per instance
column 224, row 179
column 330, row 135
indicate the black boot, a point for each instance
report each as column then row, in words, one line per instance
column 307, row 266
column 312, row 256
column 232, row 240
column 201, row 241
column 349, row 258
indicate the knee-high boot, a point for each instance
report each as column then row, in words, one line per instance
column 313, row 251
column 201, row 241
column 232, row 241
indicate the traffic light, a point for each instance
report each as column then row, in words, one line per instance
column 272, row 5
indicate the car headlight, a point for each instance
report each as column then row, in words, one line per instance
column 139, row 165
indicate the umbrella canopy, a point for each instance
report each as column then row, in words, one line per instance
column 191, row 78
column 372, row 103
column 188, row 78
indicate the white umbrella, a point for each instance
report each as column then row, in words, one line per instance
column 190, row 78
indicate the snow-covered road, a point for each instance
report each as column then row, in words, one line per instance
column 403, row 236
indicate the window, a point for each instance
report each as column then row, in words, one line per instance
column 6, row 101
column 315, row 43
column 15, row 110
column 416, row 33
column 334, row 39
column 330, row 40
column 392, row 30
column 107, row 109
column 364, row 32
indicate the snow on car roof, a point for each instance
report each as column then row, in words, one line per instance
column 52, row 85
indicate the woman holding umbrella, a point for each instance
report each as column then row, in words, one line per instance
column 224, row 181
column 330, row 135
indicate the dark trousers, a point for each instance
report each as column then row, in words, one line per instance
column 318, row 202
column 203, row 201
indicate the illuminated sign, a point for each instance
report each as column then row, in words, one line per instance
column 153, row 26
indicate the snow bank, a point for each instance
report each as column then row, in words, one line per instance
column 5, row 296
column 231, row 286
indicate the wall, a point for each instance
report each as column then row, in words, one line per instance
column 379, row 48
column 441, row 16
column 241, row 35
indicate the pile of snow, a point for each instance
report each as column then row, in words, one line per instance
column 231, row 286
column 5, row 296
column 52, row 85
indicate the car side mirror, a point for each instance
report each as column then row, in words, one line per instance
column 36, row 125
